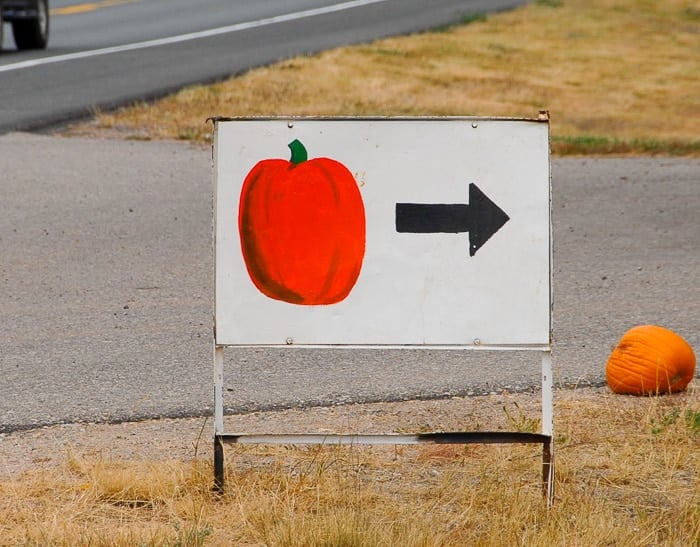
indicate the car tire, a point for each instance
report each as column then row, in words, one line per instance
column 33, row 33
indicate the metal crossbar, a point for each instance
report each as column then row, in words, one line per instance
column 467, row 437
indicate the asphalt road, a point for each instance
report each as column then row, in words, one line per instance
column 107, row 53
column 106, row 288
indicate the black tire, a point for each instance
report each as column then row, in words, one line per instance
column 33, row 33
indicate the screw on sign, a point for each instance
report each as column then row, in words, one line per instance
column 302, row 228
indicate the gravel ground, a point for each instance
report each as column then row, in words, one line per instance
column 183, row 439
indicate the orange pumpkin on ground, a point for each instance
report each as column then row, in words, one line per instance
column 648, row 360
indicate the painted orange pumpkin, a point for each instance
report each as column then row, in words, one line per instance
column 302, row 228
column 648, row 360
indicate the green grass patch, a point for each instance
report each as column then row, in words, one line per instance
column 600, row 145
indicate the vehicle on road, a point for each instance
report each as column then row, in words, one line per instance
column 29, row 20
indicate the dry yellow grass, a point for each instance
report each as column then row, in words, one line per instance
column 618, row 76
column 628, row 474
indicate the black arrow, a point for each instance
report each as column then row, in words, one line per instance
column 481, row 217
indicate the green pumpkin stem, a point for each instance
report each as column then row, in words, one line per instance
column 299, row 154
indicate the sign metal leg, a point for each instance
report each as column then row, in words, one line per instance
column 218, row 418
column 548, row 427
column 218, row 465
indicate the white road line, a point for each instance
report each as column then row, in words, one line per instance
column 189, row 36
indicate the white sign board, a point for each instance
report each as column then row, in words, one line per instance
column 391, row 232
